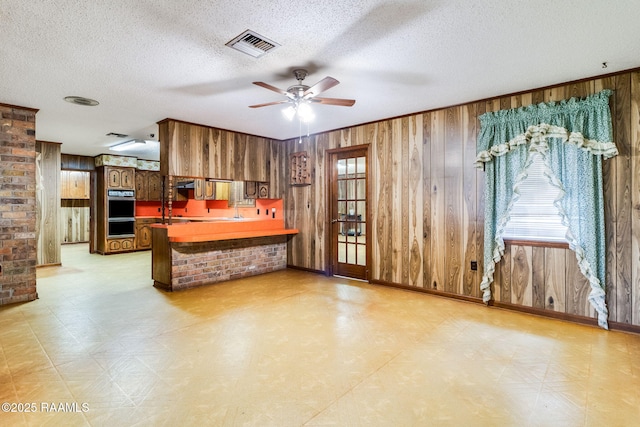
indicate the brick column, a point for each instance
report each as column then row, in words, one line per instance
column 17, row 204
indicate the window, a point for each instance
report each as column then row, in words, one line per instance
column 534, row 217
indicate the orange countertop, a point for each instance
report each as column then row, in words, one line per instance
column 224, row 229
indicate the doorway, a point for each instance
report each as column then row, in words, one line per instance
column 348, row 186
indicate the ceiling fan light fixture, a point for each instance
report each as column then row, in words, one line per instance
column 305, row 113
column 289, row 112
column 301, row 110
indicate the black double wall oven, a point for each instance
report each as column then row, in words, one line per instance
column 121, row 208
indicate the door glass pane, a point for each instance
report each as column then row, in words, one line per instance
column 351, row 167
column 362, row 189
column 362, row 256
column 342, row 208
column 351, row 189
column 342, row 190
column 342, row 167
column 360, row 166
column 360, row 209
column 342, row 252
column 351, row 253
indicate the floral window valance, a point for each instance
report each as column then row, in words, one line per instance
column 572, row 137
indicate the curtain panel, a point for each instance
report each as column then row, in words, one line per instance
column 572, row 137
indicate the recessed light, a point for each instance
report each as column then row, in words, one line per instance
column 80, row 100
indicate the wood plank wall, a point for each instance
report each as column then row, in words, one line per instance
column 422, row 164
column 74, row 220
column 48, row 203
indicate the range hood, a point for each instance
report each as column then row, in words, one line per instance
column 185, row 185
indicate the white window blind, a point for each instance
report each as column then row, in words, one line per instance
column 534, row 216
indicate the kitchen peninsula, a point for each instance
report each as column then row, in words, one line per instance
column 213, row 243
column 197, row 253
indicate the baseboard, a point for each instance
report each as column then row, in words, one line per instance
column 614, row 326
column 310, row 270
column 435, row 292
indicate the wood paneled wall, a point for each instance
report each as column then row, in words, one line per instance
column 48, row 203
column 428, row 205
column 77, row 162
column 543, row 278
column 74, row 220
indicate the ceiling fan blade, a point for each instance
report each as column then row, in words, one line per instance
column 334, row 101
column 321, row 86
column 268, row 103
column 273, row 88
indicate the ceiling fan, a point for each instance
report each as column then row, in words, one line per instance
column 299, row 94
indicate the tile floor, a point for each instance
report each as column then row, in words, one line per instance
column 296, row 349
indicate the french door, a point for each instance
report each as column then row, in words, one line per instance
column 348, row 205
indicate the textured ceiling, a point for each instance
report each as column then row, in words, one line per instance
column 147, row 60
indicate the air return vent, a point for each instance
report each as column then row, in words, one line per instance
column 252, row 43
column 117, row 135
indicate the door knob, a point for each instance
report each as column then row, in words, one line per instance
column 333, row 221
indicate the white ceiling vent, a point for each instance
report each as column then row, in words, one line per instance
column 252, row 43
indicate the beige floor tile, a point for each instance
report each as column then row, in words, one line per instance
column 293, row 348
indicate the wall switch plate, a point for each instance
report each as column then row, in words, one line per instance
column 474, row 265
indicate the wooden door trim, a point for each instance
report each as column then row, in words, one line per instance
column 328, row 226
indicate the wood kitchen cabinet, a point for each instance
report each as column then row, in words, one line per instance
column 148, row 186
column 114, row 218
column 154, row 186
column 120, row 245
column 198, row 189
column 209, row 190
column 187, row 149
column 223, row 189
column 204, row 189
column 142, row 181
column 143, row 233
column 251, row 156
column 256, row 190
column 74, row 184
column 120, row 177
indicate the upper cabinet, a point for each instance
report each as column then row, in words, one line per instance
column 148, row 185
column 74, row 185
column 120, row 178
column 251, row 156
column 199, row 151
